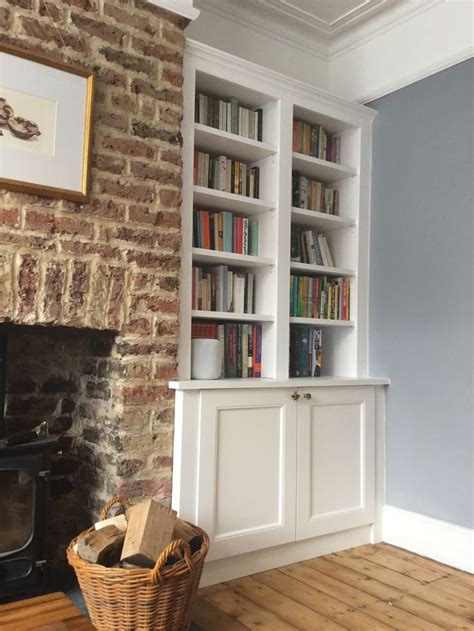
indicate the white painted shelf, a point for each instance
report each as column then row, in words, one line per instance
column 216, row 257
column 320, row 322
column 217, row 142
column 321, row 269
column 320, row 221
column 321, row 169
column 220, row 200
column 295, row 382
column 238, row 317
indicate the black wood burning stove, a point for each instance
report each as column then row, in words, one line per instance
column 24, row 495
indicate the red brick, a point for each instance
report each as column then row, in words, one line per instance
column 166, row 327
column 127, row 61
column 170, row 116
column 27, row 286
column 173, row 36
column 135, row 192
column 169, row 240
column 138, row 370
column 53, row 291
column 77, row 290
column 173, row 157
column 156, row 261
column 168, row 220
column 142, row 214
column 139, row 326
column 4, row 17
column 124, row 102
column 165, row 372
column 129, row 147
column 175, row 77
column 99, row 29
column 108, row 164
column 140, row 86
column 170, row 198
column 128, row 18
column 154, row 172
column 71, row 225
column 51, row 10
column 9, row 217
column 85, row 5
column 22, row 4
column 159, row 488
column 112, row 119
column 158, row 51
column 137, row 395
column 47, row 33
column 163, row 305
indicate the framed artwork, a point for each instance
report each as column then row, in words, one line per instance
column 45, row 125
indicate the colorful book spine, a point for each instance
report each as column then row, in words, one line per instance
column 319, row 297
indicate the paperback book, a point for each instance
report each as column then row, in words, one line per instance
column 230, row 116
column 224, row 174
column 221, row 289
column 225, row 232
column 313, row 140
column 320, row 297
column 310, row 194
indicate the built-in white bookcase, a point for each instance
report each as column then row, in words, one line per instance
column 282, row 100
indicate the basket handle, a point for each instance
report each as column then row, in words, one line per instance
column 115, row 500
column 155, row 574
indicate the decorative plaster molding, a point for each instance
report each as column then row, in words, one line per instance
column 425, row 72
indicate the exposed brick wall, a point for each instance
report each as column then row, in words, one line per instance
column 113, row 263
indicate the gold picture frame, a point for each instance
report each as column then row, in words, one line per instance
column 22, row 153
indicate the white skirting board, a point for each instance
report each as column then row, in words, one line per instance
column 433, row 538
column 277, row 556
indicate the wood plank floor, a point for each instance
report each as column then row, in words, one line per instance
column 370, row 588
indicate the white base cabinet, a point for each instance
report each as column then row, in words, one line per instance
column 263, row 467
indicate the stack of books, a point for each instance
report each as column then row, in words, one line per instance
column 240, row 347
column 309, row 247
column 225, row 232
column 221, row 289
column 313, row 140
column 313, row 195
column 224, row 174
column 305, row 351
column 228, row 116
column 320, row 297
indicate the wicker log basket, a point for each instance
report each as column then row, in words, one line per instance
column 141, row 599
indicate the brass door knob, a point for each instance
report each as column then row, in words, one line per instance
column 295, row 396
column 307, row 395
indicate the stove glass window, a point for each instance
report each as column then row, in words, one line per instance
column 17, row 493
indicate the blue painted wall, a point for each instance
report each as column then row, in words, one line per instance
column 421, row 291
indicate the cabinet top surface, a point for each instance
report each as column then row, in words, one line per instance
column 231, row 384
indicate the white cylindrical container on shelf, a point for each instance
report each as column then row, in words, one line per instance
column 205, row 359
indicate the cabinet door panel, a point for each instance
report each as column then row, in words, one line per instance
column 336, row 460
column 247, row 470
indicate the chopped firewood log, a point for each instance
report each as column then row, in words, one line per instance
column 149, row 531
column 102, row 546
column 120, row 521
column 182, row 530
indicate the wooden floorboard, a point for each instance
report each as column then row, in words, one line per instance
column 369, row 588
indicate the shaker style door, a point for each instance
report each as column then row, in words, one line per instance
column 336, row 460
column 247, row 469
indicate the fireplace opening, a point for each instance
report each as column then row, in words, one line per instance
column 70, row 380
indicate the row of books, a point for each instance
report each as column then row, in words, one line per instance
column 228, row 116
column 223, row 174
column 225, row 232
column 240, row 347
column 309, row 247
column 305, row 351
column 320, row 297
column 313, row 195
column 313, row 140
column 221, row 289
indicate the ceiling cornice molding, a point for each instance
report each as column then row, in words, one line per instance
column 378, row 25
column 255, row 19
column 408, row 79
column 278, row 80
column 354, row 15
